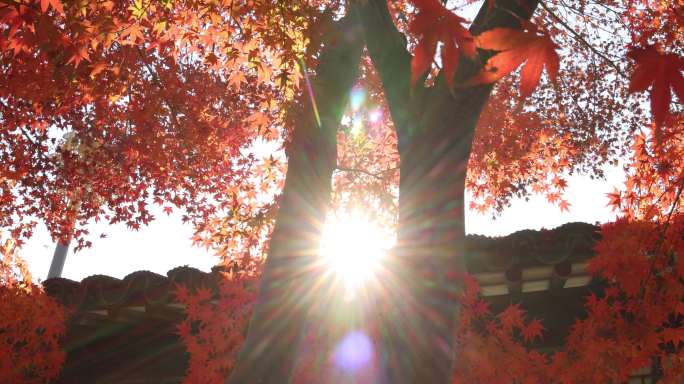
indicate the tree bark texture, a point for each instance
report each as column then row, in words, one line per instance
column 288, row 282
column 435, row 128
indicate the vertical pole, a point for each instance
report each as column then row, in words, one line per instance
column 62, row 247
column 58, row 259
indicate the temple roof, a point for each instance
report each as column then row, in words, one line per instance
column 522, row 257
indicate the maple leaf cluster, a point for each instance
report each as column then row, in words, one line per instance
column 655, row 175
column 109, row 107
column 574, row 120
column 242, row 234
column 638, row 318
column 214, row 327
column 532, row 48
column 31, row 324
column 485, row 336
column 537, row 156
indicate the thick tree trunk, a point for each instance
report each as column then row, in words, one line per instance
column 435, row 128
column 430, row 239
column 288, row 282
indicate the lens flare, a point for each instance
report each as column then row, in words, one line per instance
column 357, row 97
column 354, row 352
column 352, row 248
column 375, row 115
column 357, row 126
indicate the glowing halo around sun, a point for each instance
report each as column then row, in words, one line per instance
column 352, row 248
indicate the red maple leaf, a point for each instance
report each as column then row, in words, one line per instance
column 673, row 335
column 184, row 329
column 660, row 71
column 182, row 293
column 203, row 294
column 480, row 308
column 560, row 183
column 532, row 330
column 511, row 317
column 518, row 46
column 679, row 308
column 56, row 4
column 433, row 24
column 79, row 54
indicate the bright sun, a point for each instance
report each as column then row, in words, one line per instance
column 352, row 248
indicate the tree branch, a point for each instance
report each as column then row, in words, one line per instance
column 661, row 237
column 387, row 49
column 376, row 175
column 28, row 137
column 582, row 40
column 504, row 13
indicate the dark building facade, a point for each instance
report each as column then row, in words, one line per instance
column 124, row 331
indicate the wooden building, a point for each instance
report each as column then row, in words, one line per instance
column 123, row 331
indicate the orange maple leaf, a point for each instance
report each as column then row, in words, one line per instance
column 553, row 197
column 56, row 4
column 133, row 32
column 660, row 71
column 614, row 200
column 79, row 54
column 97, row 68
column 433, row 24
column 518, row 46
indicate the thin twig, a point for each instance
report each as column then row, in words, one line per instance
column 36, row 144
column 661, row 238
column 157, row 81
column 582, row 40
column 377, row 175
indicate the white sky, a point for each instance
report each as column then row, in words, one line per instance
column 165, row 243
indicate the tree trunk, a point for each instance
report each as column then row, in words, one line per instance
column 288, row 280
column 435, row 128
